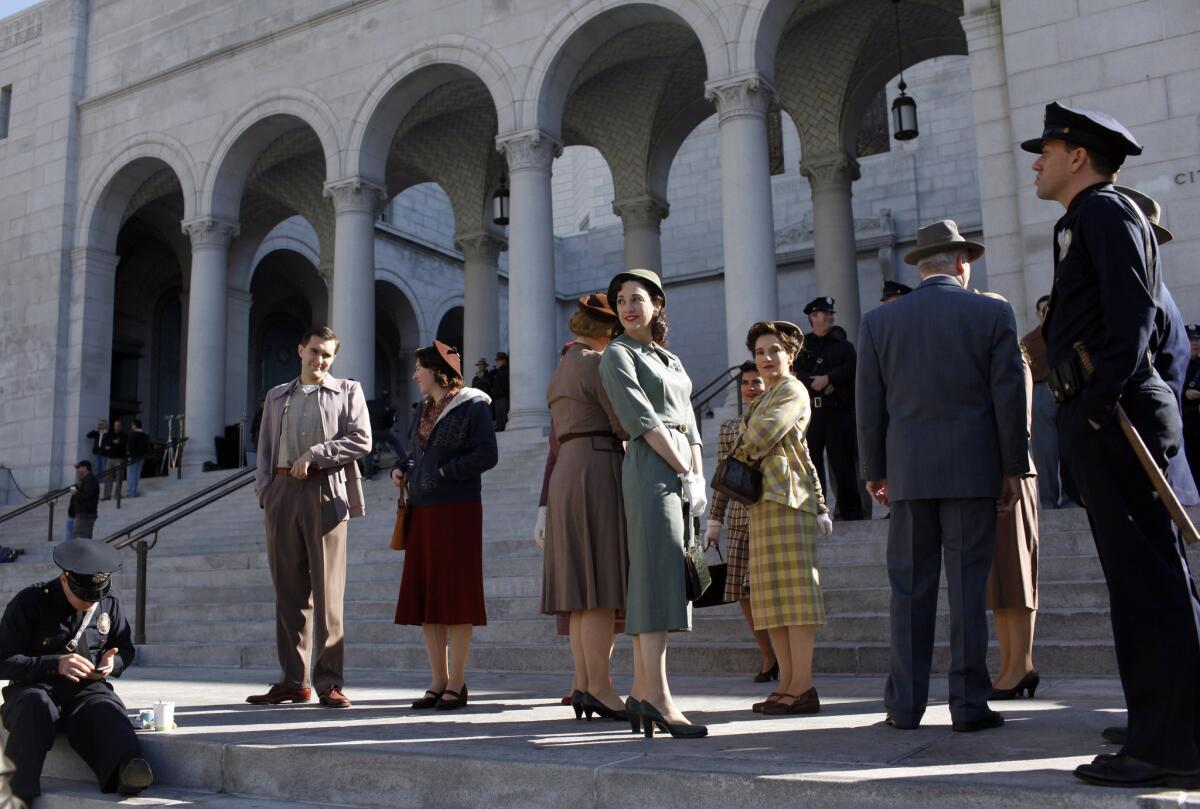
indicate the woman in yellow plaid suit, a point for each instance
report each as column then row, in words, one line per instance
column 785, row 592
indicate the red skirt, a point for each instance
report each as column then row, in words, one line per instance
column 442, row 582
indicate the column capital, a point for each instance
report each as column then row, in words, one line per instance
column 643, row 211
column 529, row 150
column 830, row 171
column 480, row 245
column 93, row 257
column 982, row 24
column 208, row 232
column 747, row 95
column 355, row 195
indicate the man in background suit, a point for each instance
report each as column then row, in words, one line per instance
column 941, row 424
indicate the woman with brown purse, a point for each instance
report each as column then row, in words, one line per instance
column 451, row 444
column 785, row 595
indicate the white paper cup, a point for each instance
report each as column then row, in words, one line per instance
column 164, row 715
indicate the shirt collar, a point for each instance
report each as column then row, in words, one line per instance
column 1086, row 194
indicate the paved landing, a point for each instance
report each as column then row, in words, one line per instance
column 515, row 746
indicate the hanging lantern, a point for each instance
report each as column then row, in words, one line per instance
column 904, row 108
column 500, row 203
column 904, row 115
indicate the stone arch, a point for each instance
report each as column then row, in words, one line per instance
column 279, row 241
column 573, row 34
column 123, row 172
column 252, row 131
column 443, row 307
column 396, row 278
column 662, row 156
column 395, row 92
column 762, row 28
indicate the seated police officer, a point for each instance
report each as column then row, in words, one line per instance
column 60, row 641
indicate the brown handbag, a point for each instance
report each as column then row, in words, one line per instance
column 399, row 532
column 736, row 479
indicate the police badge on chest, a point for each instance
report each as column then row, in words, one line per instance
column 103, row 623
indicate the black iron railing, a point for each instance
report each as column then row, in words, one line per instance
column 705, row 395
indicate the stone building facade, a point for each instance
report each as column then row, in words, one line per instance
column 183, row 186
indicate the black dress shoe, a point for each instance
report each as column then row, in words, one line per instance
column 892, row 723
column 591, row 705
column 1029, row 683
column 633, row 709
column 768, row 675
column 1125, row 771
column 135, row 776
column 1117, row 734
column 992, row 719
column 429, row 700
column 652, row 718
column 577, row 703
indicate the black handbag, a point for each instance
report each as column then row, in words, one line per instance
column 737, row 480
column 696, row 577
column 714, row 596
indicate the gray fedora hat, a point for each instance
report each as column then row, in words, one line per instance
column 1151, row 209
column 941, row 237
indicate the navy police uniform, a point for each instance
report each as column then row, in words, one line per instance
column 832, row 426
column 1191, row 407
column 36, row 630
column 892, row 290
column 1106, row 295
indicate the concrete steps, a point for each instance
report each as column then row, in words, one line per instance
column 211, row 601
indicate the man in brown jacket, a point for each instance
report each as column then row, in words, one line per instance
column 313, row 431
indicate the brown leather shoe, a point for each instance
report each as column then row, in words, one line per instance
column 281, row 693
column 332, row 697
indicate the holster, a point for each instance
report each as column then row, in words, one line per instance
column 1066, row 380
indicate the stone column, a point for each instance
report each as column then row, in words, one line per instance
column 532, row 312
column 835, row 255
column 352, row 303
column 204, row 405
column 481, row 296
column 642, row 218
column 996, row 150
column 89, row 363
column 237, row 357
column 751, row 289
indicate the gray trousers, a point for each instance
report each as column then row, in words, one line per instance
column 1043, row 440
column 920, row 534
column 306, row 549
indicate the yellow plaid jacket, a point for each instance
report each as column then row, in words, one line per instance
column 773, row 436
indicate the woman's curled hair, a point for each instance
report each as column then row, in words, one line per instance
column 429, row 358
column 790, row 336
column 658, row 321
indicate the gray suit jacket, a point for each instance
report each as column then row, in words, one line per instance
column 941, row 394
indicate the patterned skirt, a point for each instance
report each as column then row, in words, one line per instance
column 783, row 567
column 737, row 553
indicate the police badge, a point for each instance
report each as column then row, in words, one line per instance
column 1064, row 242
column 103, row 623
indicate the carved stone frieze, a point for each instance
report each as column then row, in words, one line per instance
column 20, row 30
column 356, row 195
column 208, row 232
column 741, row 96
column 532, row 150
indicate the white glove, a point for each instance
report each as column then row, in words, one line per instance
column 712, row 536
column 824, row 525
column 539, row 528
column 694, row 492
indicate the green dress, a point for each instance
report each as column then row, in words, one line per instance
column 648, row 387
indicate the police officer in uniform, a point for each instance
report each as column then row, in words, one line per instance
column 893, row 290
column 1191, row 402
column 826, row 366
column 60, row 642
column 1105, row 302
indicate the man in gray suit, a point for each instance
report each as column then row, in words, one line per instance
column 941, row 425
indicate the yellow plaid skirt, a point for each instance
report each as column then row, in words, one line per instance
column 785, row 586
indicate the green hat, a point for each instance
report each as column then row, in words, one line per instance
column 647, row 277
column 1151, row 209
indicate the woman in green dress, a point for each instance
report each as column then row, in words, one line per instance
column 662, row 482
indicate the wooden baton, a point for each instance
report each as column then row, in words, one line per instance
column 1165, row 492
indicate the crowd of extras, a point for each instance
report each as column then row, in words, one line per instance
column 939, row 418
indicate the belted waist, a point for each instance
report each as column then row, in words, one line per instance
column 562, row 439
column 679, row 427
column 312, row 471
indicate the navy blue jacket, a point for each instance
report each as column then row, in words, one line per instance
column 462, row 446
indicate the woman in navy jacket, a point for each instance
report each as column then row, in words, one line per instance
column 451, row 444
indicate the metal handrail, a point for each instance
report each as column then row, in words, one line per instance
column 185, row 501
column 51, row 498
column 142, row 547
column 729, row 376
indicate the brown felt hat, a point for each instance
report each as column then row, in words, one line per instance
column 941, row 237
column 597, row 306
column 1151, row 209
column 450, row 356
column 647, row 277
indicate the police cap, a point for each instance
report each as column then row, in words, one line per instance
column 89, row 567
column 1193, row 331
column 894, row 289
column 821, row 304
column 1092, row 130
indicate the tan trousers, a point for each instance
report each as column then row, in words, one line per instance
column 306, row 549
